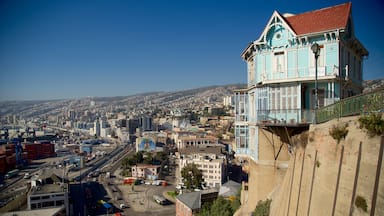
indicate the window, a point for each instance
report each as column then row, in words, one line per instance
column 320, row 59
column 241, row 136
column 59, row 202
column 45, row 197
column 35, row 198
column 320, row 98
column 251, row 71
column 48, row 204
column 279, row 62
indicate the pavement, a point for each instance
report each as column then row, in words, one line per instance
column 140, row 200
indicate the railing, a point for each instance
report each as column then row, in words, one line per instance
column 285, row 117
column 356, row 105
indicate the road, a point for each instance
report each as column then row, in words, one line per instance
column 140, row 199
column 84, row 205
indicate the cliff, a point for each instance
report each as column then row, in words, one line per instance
column 325, row 177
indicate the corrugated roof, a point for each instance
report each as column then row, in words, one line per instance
column 330, row 18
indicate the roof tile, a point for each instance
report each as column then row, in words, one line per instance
column 335, row 17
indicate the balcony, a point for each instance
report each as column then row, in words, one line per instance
column 285, row 117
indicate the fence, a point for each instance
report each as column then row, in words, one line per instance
column 356, row 105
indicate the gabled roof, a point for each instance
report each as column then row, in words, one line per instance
column 330, row 18
column 230, row 188
column 192, row 199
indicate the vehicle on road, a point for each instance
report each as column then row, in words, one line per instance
column 160, row 200
column 12, row 174
column 27, row 176
column 123, row 206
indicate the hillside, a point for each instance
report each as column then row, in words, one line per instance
column 140, row 103
column 371, row 85
column 326, row 177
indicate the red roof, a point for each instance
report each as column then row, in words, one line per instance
column 329, row 18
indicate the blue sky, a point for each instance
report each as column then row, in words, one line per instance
column 71, row 49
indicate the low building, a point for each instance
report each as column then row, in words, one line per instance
column 189, row 204
column 48, row 192
column 194, row 140
column 210, row 160
column 146, row 171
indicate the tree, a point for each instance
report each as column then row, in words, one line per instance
column 161, row 156
column 147, row 158
column 192, row 176
column 262, row 208
column 220, row 207
column 235, row 201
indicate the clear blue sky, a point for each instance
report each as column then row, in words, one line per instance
column 71, row 49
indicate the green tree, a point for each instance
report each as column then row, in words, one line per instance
column 235, row 202
column 192, row 176
column 147, row 159
column 205, row 210
column 161, row 156
column 262, row 208
column 220, row 207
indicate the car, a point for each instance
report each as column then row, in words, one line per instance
column 123, row 206
column 27, row 176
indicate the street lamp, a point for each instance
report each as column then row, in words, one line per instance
column 316, row 51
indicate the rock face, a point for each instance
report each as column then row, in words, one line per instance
column 326, row 177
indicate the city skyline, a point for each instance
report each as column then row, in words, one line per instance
column 74, row 49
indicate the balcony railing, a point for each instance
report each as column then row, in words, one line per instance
column 285, row 117
column 356, row 105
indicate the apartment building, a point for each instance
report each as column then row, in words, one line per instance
column 210, row 160
column 298, row 64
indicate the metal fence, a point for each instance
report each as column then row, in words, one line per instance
column 356, row 105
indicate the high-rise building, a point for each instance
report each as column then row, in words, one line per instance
column 97, row 127
column 146, row 123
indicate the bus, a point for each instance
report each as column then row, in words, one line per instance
column 12, row 174
column 159, row 199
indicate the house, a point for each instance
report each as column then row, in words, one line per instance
column 188, row 204
column 146, row 171
column 288, row 80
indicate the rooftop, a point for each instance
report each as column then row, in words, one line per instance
column 217, row 150
column 47, row 188
column 192, row 199
column 330, row 18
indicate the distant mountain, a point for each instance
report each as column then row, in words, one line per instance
column 138, row 103
column 371, row 85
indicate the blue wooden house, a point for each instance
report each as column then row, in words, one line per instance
column 285, row 78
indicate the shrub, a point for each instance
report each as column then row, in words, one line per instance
column 262, row 208
column 361, row 203
column 373, row 123
column 339, row 132
column 318, row 164
column 172, row 194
